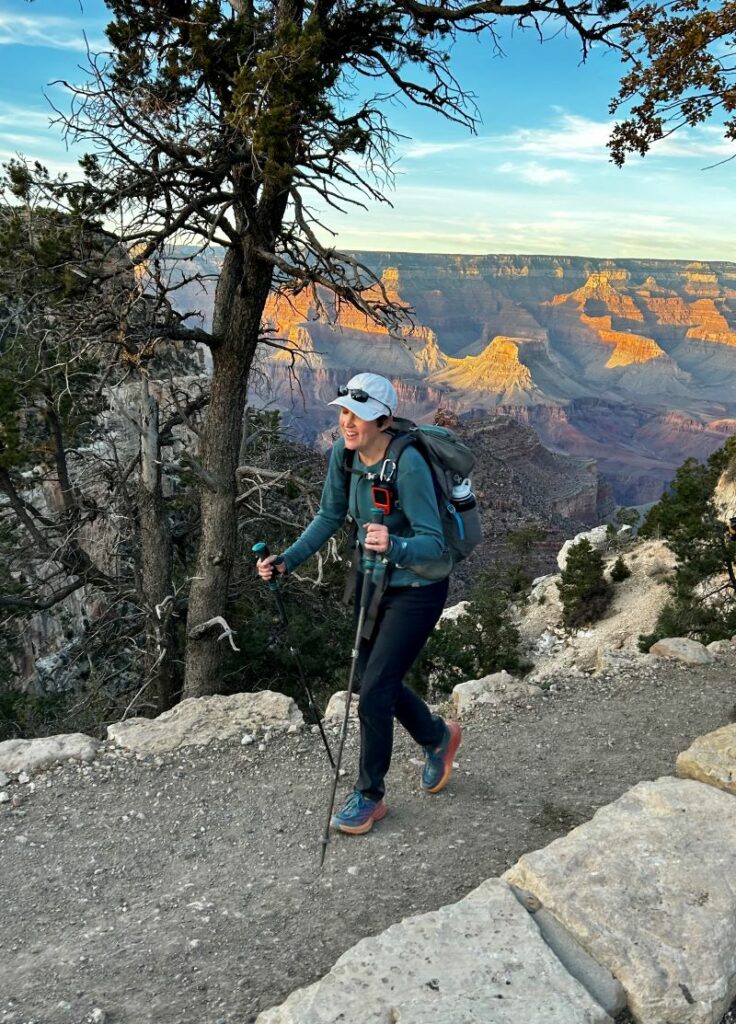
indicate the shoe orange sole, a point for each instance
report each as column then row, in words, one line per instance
column 359, row 830
column 456, row 735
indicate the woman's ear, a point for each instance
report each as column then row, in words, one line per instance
column 384, row 422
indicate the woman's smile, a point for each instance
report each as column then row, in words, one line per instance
column 357, row 433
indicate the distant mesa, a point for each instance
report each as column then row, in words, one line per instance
column 596, row 355
column 605, row 288
column 628, row 348
column 496, row 369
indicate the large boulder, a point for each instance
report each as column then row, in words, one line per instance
column 492, row 689
column 32, row 755
column 199, row 720
column 598, row 538
column 682, row 648
column 480, row 960
column 712, row 759
column 646, row 887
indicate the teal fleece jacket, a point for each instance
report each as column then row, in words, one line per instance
column 415, row 529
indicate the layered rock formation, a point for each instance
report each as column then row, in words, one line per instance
column 597, row 355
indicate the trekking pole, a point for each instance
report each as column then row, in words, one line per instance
column 368, row 563
column 260, row 550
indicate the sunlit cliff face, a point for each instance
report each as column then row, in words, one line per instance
column 497, row 368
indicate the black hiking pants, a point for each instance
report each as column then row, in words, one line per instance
column 406, row 617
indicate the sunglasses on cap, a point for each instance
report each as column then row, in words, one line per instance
column 359, row 395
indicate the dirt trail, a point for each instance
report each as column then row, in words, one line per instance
column 188, row 890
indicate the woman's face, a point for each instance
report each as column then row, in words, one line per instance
column 358, row 433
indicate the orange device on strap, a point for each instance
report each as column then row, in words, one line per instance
column 381, row 497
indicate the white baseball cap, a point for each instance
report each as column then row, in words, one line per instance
column 368, row 395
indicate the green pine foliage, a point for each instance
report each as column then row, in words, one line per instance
column 584, row 591
column 627, row 516
column 483, row 640
column 620, row 570
column 703, row 590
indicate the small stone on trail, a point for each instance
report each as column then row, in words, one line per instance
column 247, row 738
column 4, row 798
column 24, row 778
column 4, row 780
column 352, row 870
column 98, row 1016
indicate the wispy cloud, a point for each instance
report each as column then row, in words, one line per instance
column 27, row 132
column 28, row 118
column 416, row 150
column 534, row 173
column 45, row 30
column 569, row 137
column 573, row 138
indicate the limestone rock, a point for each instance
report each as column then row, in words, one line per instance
column 587, row 660
column 712, row 759
column 455, row 611
column 479, row 960
column 32, row 755
column 4, row 780
column 492, row 689
column 199, row 720
column 598, row 538
column 646, row 887
column 335, row 710
column 720, row 647
column 682, row 648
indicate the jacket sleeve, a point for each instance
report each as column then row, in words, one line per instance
column 333, row 508
column 425, row 541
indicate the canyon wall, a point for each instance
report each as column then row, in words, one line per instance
column 631, row 363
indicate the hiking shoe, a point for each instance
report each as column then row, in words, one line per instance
column 358, row 813
column 438, row 764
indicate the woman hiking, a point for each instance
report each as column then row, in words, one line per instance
column 410, row 606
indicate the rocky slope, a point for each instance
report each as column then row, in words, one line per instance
column 568, row 343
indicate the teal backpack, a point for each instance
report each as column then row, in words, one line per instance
column 451, row 462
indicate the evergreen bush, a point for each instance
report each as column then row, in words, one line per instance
column 584, row 591
column 483, row 640
column 620, row 570
column 703, row 588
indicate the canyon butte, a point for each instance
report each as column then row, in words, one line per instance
column 628, row 362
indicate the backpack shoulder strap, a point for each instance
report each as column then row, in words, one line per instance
column 399, row 443
column 348, row 456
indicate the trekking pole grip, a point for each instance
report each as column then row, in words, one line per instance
column 369, row 557
column 260, row 550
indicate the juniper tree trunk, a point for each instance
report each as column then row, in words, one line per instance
column 156, row 557
column 241, row 295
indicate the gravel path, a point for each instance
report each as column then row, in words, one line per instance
column 186, row 889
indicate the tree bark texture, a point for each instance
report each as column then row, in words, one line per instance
column 241, row 295
column 156, row 557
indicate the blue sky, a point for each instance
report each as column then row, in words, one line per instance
column 536, row 178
